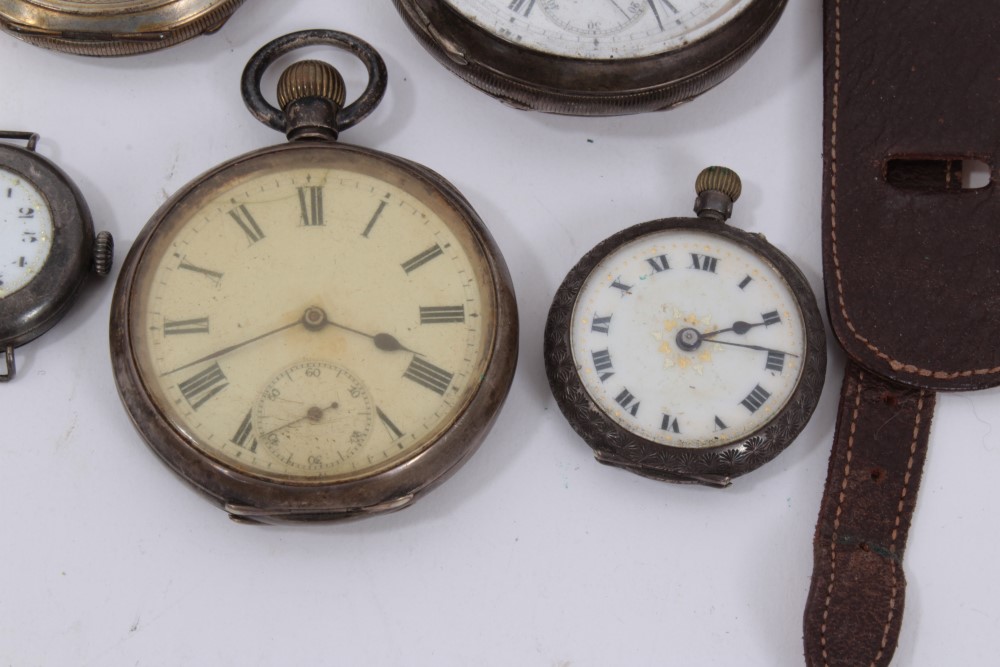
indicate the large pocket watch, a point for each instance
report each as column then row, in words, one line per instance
column 47, row 245
column 112, row 27
column 314, row 330
column 685, row 349
column 592, row 57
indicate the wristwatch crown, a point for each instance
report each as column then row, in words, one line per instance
column 717, row 188
column 311, row 78
column 104, row 252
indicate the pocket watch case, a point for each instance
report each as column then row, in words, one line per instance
column 112, row 27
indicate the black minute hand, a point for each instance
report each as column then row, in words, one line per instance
column 749, row 347
column 231, row 348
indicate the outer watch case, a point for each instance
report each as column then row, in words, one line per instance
column 498, row 61
column 49, row 289
column 771, row 404
column 112, row 27
column 251, row 460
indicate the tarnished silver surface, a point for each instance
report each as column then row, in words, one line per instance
column 527, row 78
column 112, row 27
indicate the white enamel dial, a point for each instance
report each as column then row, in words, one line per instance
column 25, row 232
column 601, row 29
column 687, row 338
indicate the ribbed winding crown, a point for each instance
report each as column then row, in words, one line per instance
column 311, row 78
column 720, row 179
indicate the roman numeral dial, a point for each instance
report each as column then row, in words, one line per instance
column 687, row 338
column 317, row 322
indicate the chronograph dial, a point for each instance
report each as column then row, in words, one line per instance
column 592, row 57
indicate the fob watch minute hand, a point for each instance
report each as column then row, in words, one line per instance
column 759, row 348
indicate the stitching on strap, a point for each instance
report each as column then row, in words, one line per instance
column 895, row 529
column 895, row 364
column 836, row 518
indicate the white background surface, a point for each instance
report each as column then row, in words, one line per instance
column 532, row 554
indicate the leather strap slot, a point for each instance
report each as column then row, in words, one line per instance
column 937, row 173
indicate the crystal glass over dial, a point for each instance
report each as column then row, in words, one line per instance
column 47, row 245
column 687, row 338
column 685, row 349
column 592, row 57
column 26, row 229
column 314, row 331
column 599, row 29
column 318, row 317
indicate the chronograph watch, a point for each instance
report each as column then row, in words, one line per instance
column 592, row 57
column 685, row 349
column 314, row 331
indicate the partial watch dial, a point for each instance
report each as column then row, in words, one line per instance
column 601, row 29
column 687, row 338
column 592, row 57
column 312, row 315
column 26, row 232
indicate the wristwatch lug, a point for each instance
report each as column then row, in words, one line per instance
column 11, row 370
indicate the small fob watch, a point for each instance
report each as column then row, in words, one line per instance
column 314, row 331
column 112, row 27
column 592, row 57
column 47, row 245
column 684, row 349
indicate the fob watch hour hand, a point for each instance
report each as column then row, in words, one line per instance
column 383, row 341
column 739, row 327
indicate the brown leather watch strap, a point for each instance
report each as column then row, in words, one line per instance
column 912, row 88
column 855, row 604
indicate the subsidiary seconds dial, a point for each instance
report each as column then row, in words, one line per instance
column 299, row 300
column 314, row 331
column 684, row 349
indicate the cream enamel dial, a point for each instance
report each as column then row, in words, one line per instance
column 601, row 29
column 26, row 232
column 687, row 338
column 312, row 315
